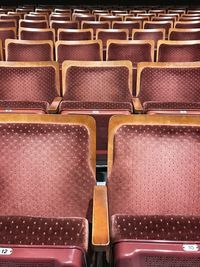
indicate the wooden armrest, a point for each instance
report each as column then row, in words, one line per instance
column 53, row 108
column 137, row 105
column 100, row 222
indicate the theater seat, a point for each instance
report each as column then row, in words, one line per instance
column 29, row 87
column 47, row 189
column 100, row 89
column 152, row 187
column 168, row 88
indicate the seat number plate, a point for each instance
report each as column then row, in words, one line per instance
column 6, row 251
column 190, row 247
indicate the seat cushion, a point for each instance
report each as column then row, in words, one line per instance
column 173, row 228
column 95, row 106
column 23, row 107
column 44, row 231
column 171, row 107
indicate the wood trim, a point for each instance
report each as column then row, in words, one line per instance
column 33, row 22
column 182, row 30
column 117, row 121
column 54, row 106
column 79, row 43
column 35, row 15
column 28, row 42
column 187, row 23
column 143, row 65
column 100, row 220
column 158, row 23
column 118, row 63
column 35, row 64
column 131, row 42
column 137, row 105
column 1, row 50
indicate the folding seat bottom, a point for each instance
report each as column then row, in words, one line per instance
column 46, row 242
column 176, row 108
column 101, row 111
column 7, row 106
column 155, row 241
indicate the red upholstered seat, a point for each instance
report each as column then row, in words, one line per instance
column 29, row 86
column 46, row 195
column 98, row 88
column 184, row 34
column 153, row 184
column 169, row 87
column 36, row 34
column 178, row 51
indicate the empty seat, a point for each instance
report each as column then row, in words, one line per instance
column 178, row 51
column 138, row 18
column 38, row 24
column 114, row 34
column 184, row 34
column 7, row 33
column 149, row 34
column 23, row 50
column 110, row 18
column 62, row 17
column 29, row 87
column 48, row 181
column 187, row 25
column 168, row 88
column 129, row 25
column 94, row 25
column 56, row 25
column 100, row 89
column 158, row 25
column 180, row 12
column 35, row 17
column 82, row 17
column 135, row 51
column 36, row 34
column 189, row 18
column 75, row 34
column 79, row 50
column 10, row 17
column 153, row 166
column 5, row 23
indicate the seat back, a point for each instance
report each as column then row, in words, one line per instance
column 168, row 82
column 110, row 18
column 178, row 51
column 115, row 34
column 75, row 34
column 149, row 34
column 187, row 25
column 52, row 166
column 38, row 24
column 29, row 81
column 7, row 33
column 153, row 167
column 184, row 34
column 158, row 25
column 94, row 25
column 36, row 34
column 79, row 50
column 56, row 25
column 8, row 23
column 92, row 81
column 62, row 17
column 129, row 25
column 35, row 17
column 23, row 50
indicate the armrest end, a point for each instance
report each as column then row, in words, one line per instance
column 53, row 108
column 137, row 105
column 100, row 228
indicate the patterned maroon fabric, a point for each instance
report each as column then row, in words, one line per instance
column 97, row 84
column 34, row 17
column 6, row 34
column 44, row 231
column 37, row 35
column 170, row 85
column 70, row 36
column 179, row 53
column 29, row 52
column 106, row 35
column 148, row 36
column 78, row 52
column 133, row 52
column 6, row 23
column 149, row 106
column 10, row 105
column 155, row 171
column 34, row 24
column 154, row 25
column 64, row 25
column 186, row 35
column 28, row 84
column 186, row 25
column 173, row 228
column 95, row 25
column 74, row 105
column 130, row 25
column 49, row 172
